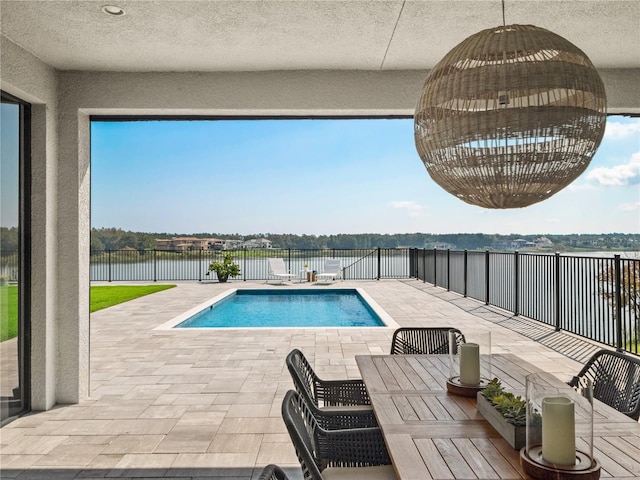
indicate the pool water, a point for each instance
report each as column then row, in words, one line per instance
column 287, row 308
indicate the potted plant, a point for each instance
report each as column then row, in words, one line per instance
column 225, row 269
column 506, row 412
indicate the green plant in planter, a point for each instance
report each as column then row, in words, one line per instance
column 225, row 269
column 493, row 389
column 513, row 408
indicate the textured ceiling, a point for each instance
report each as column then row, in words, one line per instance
column 208, row 35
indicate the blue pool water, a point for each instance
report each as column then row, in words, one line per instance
column 287, row 308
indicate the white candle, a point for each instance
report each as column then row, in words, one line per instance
column 558, row 431
column 470, row 364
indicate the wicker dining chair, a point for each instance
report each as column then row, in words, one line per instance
column 345, row 397
column 423, row 340
column 345, row 453
column 272, row 472
column 616, row 380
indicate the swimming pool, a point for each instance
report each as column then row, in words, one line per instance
column 273, row 308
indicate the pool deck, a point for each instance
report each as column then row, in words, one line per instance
column 203, row 404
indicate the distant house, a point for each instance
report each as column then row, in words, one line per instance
column 517, row 244
column 232, row 244
column 183, row 244
column 257, row 243
column 543, row 242
column 216, row 244
column 521, row 244
column 442, row 246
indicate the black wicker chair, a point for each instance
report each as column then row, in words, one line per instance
column 273, row 472
column 616, row 380
column 347, row 397
column 423, row 340
column 334, row 451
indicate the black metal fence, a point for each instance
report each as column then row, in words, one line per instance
column 163, row 265
column 597, row 298
column 9, row 262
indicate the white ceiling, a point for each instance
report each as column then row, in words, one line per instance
column 208, row 35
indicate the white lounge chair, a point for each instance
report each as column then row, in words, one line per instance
column 278, row 270
column 332, row 270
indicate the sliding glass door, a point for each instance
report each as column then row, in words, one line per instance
column 14, row 256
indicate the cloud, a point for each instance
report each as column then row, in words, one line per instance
column 619, row 131
column 629, row 207
column 626, row 174
column 412, row 208
column 576, row 187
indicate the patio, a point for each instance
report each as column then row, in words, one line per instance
column 206, row 404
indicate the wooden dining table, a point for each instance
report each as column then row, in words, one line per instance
column 432, row 434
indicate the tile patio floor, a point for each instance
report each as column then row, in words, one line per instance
column 206, row 404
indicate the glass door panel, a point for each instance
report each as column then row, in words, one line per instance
column 12, row 318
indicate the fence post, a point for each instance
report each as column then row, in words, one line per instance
column 155, row 273
column 412, row 263
column 618, row 301
column 486, row 277
column 557, row 292
column 516, row 280
column 424, row 265
column 200, row 265
column 465, row 274
column 448, row 269
column 244, row 260
column 435, row 267
column 109, row 264
column 378, row 264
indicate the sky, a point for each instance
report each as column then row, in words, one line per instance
column 9, row 175
column 323, row 177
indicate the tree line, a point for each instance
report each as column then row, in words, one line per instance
column 116, row 239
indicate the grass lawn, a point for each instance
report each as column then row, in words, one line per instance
column 101, row 297
column 106, row 295
column 8, row 312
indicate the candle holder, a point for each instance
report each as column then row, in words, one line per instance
column 559, row 428
column 469, row 363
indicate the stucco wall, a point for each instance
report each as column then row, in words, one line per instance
column 26, row 77
column 278, row 93
column 623, row 90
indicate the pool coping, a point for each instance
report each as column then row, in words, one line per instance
column 388, row 321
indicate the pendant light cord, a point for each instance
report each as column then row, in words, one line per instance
column 504, row 23
column 392, row 34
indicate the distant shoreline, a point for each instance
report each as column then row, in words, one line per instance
column 113, row 239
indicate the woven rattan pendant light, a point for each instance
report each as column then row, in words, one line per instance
column 510, row 116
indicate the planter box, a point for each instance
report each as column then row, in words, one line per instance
column 515, row 436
